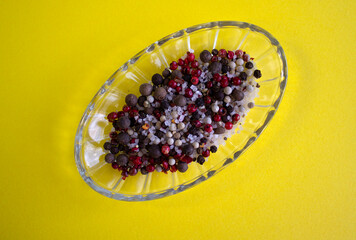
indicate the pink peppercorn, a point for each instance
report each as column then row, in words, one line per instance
column 113, row 134
column 114, row 165
column 217, row 77
column 112, row 116
column 150, row 168
column 197, row 123
column 222, row 53
column 180, row 62
column 239, row 53
column 230, row 54
column 236, row 81
column 224, row 82
column 187, row 159
column 120, row 114
column 186, row 70
column 165, row 165
column 196, row 72
column 126, row 108
column 173, row 65
column 191, row 108
column 173, row 168
column 228, row 125
column 178, row 88
column 133, row 113
column 207, row 100
column 190, row 57
column 194, row 80
column 188, row 93
column 209, row 84
column 208, row 128
column 206, row 153
column 194, row 64
column 236, row 117
column 217, row 118
column 246, row 57
column 165, row 149
column 214, row 58
column 172, row 84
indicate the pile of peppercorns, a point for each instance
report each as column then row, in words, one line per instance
column 184, row 115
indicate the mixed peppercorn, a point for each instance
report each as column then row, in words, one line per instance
column 184, row 114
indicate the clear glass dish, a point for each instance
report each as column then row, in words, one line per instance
column 94, row 129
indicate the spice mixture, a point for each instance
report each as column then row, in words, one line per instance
column 184, row 115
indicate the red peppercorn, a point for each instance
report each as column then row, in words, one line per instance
column 206, row 153
column 236, row 81
column 194, row 80
column 133, row 113
column 173, row 168
column 194, row 64
column 112, row 116
column 165, row 165
column 186, row 62
column 230, row 54
column 208, row 128
column 214, row 58
column 239, row 53
column 222, row 111
column 113, row 134
column 126, row 108
column 222, row 53
column 173, row 65
column 165, row 149
column 187, row 159
column 137, row 161
column 186, row 70
column 114, row 165
column 236, row 117
column 178, row 88
column 114, row 141
column 188, row 93
column 133, row 172
column 217, row 118
column 207, row 100
column 196, row 72
column 224, row 82
column 180, row 62
column 191, row 108
column 150, row 168
column 172, row 83
column 190, row 57
column 217, row 77
column 228, row 125
column 197, row 123
column 120, row 114
column 209, row 84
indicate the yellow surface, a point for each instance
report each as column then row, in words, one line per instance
column 298, row 181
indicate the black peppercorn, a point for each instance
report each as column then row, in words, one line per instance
column 200, row 160
column 195, row 116
column 122, row 159
column 114, row 150
column 107, row 146
column 166, row 73
column 182, row 166
column 249, row 65
column 257, row 73
column 142, row 114
column 224, row 68
column 158, row 160
column 213, row 149
column 203, row 140
column 141, row 100
column 229, row 109
column 215, row 52
column 205, row 56
column 243, row 76
column 187, row 77
column 154, row 151
column 199, row 102
column 224, row 61
column 188, row 149
column 208, row 112
column 109, row 158
column 193, row 130
column 224, row 118
column 219, row 95
column 132, row 122
column 199, row 150
column 215, row 67
column 157, row 79
column 165, row 104
column 144, row 171
column 159, row 134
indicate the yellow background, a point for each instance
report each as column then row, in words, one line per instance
column 298, row 181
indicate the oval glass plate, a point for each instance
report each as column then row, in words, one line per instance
column 94, row 129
